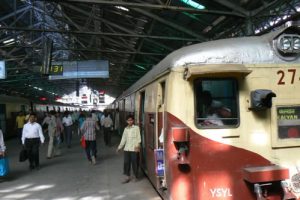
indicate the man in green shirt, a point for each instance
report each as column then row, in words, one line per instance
column 130, row 142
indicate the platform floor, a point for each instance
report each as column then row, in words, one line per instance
column 71, row 177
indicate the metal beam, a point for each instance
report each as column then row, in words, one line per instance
column 13, row 14
column 19, row 17
column 150, row 6
column 233, row 7
column 97, row 33
column 171, row 24
column 107, row 22
column 263, row 8
column 90, row 50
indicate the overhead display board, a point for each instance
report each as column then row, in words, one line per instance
column 80, row 69
column 2, row 70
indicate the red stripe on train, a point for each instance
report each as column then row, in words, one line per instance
column 215, row 170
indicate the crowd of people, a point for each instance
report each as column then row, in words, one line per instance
column 57, row 128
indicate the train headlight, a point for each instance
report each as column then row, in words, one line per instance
column 288, row 43
column 285, row 43
column 296, row 44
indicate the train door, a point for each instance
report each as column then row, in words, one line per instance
column 2, row 118
column 160, row 127
column 160, row 115
column 154, row 136
column 122, row 115
column 142, row 123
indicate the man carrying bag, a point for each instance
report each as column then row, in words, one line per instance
column 23, row 155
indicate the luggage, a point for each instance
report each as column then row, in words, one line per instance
column 23, row 155
column 4, row 167
column 82, row 142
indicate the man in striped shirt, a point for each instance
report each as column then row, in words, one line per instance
column 89, row 133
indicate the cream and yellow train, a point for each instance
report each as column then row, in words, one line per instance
column 190, row 150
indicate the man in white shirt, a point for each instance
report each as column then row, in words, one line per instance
column 68, row 122
column 32, row 135
column 2, row 145
column 107, row 123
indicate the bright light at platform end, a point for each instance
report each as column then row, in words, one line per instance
column 88, row 99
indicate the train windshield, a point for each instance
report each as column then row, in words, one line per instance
column 216, row 103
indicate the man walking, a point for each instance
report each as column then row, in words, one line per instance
column 32, row 135
column 52, row 134
column 89, row 133
column 130, row 142
column 107, row 123
column 20, row 121
column 68, row 122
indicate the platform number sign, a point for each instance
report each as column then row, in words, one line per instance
column 56, row 70
column 160, row 166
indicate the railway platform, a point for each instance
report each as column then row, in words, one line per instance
column 71, row 177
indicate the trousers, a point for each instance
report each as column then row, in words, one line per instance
column 130, row 159
column 32, row 147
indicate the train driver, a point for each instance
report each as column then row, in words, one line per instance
column 212, row 111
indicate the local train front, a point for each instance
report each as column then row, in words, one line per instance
column 242, row 140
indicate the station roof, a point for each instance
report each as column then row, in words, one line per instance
column 132, row 35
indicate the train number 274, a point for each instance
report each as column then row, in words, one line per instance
column 282, row 78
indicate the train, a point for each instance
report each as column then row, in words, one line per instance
column 10, row 106
column 252, row 153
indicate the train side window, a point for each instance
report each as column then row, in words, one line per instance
column 216, row 103
column 163, row 86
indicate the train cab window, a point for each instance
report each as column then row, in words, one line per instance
column 216, row 103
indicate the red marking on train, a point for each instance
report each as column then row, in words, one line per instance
column 215, row 170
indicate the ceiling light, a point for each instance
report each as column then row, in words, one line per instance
column 141, row 67
column 8, row 41
column 122, row 8
column 193, row 4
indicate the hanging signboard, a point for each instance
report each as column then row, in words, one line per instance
column 79, row 69
column 2, row 70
